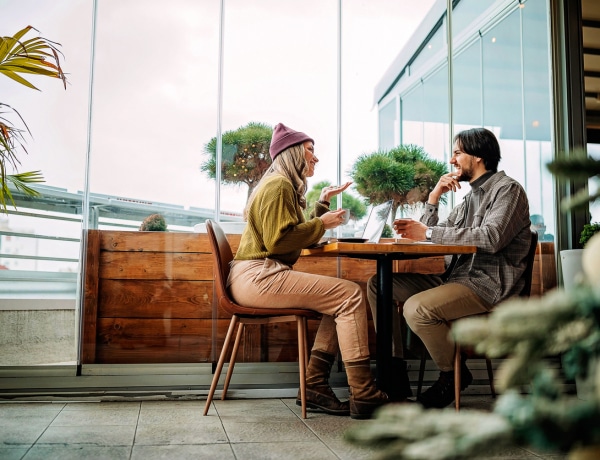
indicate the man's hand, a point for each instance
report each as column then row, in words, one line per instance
column 409, row 228
column 448, row 182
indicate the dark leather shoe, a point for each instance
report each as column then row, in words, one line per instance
column 441, row 393
column 400, row 389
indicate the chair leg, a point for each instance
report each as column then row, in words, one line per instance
column 236, row 346
column 457, row 377
column 490, row 373
column 215, row 380
column 421, row 371
column 302, row 360
column 306, row 355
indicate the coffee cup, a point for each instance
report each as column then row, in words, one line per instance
column 346, row 216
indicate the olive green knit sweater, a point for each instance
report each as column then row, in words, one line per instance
column 276, row 227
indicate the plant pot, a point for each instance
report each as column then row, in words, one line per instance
column 572, row 269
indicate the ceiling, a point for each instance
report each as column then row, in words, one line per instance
column 591, row 61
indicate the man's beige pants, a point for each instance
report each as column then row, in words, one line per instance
column 429, row 306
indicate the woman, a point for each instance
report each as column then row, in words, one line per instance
column 262, row 274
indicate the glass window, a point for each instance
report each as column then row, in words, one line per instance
column 432, row 47
column 466, row 13
column 467, row 88
column 40, row 239
column 537, row 112
column 435, row 113
column 411, row 109
column 155, row 105
column 388, row 122
column 502, row 92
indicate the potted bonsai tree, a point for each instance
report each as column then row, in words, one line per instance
column 245, row 155
column 404, row 174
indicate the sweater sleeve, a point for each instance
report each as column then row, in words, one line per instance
column 284, row 228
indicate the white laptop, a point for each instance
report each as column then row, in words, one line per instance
column 378, row 217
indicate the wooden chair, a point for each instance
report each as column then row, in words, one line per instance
column 525, row 292
column 222, row 256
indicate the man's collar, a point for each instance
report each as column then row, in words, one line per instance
column 477, row 183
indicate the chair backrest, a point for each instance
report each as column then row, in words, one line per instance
column 222, row 257
column 528, row 274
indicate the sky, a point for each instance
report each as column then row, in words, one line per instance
column 155, row 87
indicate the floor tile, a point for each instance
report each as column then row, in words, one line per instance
column 12, row 453
column 78, row 452
column 183, row 452
column 210, row 431
column 99, row 435
column 94, row 416
column 279, row 450
column 24, row 434
column 176, row 429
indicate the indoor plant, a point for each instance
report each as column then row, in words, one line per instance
column 404, row 174
column 34, row 56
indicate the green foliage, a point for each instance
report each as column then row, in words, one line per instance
column 245, row 156
column 35, row 56
column 357, row 208
column 577, row 165
column 588, row 231
column 404, row 174
column 154, row 223
column 387, row 232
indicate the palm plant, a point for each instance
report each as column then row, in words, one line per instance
column 36, row 56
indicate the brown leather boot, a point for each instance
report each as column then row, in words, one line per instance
column 319, row 395
column 364, row 395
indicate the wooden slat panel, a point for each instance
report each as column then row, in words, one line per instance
column 113, row 240
column 318, row 265
column 154, row 265
column 155, row 299
column 122, row 341
column 90, row 297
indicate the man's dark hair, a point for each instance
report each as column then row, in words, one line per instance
column 482, row 143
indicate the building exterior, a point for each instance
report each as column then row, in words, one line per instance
column 150, row 86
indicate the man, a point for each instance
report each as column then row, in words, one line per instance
column 494, row 216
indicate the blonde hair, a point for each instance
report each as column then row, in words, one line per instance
column 291, row 164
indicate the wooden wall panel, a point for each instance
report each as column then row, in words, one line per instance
column 140, row 340
column 155, row 265
column 149, row 298
column 127, row 241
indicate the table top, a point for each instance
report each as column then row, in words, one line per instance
column 392, row 247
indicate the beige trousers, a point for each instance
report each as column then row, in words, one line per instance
column 428, row 307
column 268, row 283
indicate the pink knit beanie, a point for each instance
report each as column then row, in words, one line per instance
column 284, row 137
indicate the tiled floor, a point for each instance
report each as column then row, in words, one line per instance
column 175, row 429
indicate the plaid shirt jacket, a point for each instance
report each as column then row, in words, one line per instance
column 501, row 232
